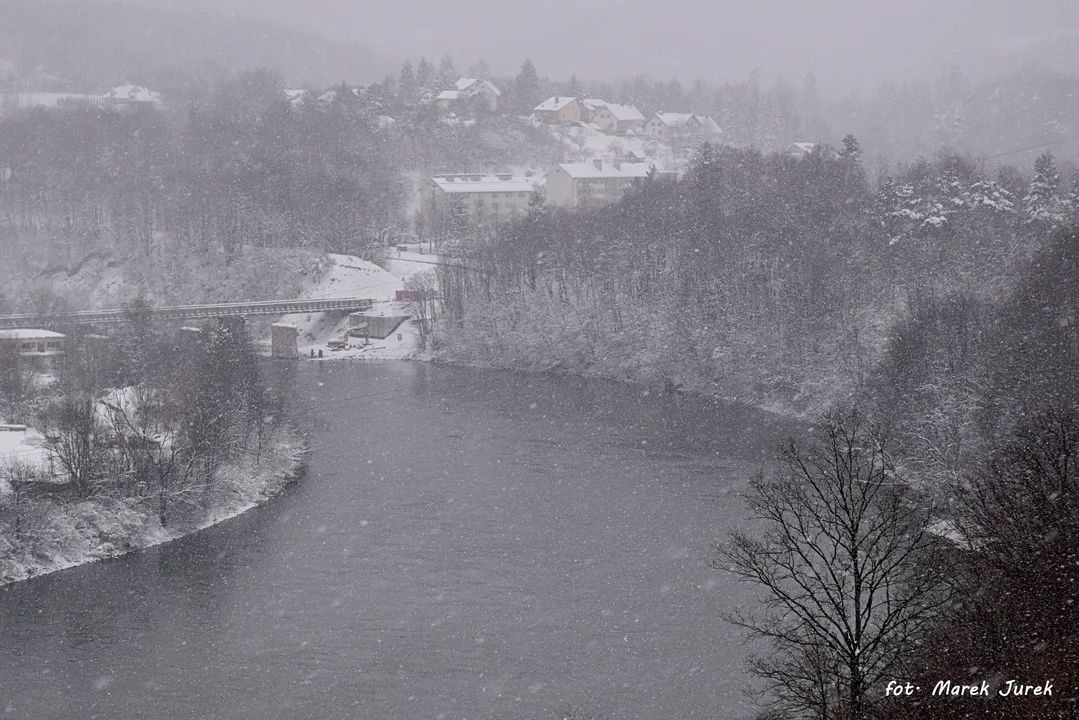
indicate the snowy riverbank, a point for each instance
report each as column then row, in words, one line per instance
column 59, row 535
column 350, row 276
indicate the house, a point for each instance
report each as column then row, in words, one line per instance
column 558, row 110
column 667, row 125
column 592, row 183
column 596, row 112
column 611, row 117
column 33, row 342
column 497, row 197
column 467, row 88
column 800, row 150
column 628, row 117
column 297, row 97
column 129, row 97
column 589, row 107
column 709, row 126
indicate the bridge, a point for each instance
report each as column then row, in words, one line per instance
column 189, row 312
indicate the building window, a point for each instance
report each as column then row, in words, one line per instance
column 494, row 195
column 494, row 206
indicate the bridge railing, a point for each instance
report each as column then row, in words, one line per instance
column 184, row 312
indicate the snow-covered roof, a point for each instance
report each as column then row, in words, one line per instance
column 673, row 119
column 472, row 84
column 29, row 334
column 485, row 184
column 554, row 104
column 709, row 124
column 593, row 104
column 132, row 93
column 448, row 95
column 625, row 113
column 801, row 149
column 328, row 96
column 296, row 96
column 606, row 169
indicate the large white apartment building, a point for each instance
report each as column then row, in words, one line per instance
column 592, row 183
column 492, row 197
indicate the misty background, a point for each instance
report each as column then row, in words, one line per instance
column 848, row 45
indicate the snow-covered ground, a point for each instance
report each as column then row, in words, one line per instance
column 66, row 535
column 349, row 276
column 20, row 446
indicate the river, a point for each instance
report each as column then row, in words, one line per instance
column 466, row 544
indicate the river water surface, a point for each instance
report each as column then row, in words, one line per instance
column 466, row 544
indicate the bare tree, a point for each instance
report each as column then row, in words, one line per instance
column 18, row 474
column 71, row 430
column 422, row 293
column 848, row 566
column 153, row 440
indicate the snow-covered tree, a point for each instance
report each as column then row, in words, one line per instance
column 1042, row 204
column 574, row 87
column 406, row 84
column 852, row 150
column 425, row 76
column 527, row 87
column 447, row 71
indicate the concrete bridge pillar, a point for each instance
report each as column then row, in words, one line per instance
column 283, row 341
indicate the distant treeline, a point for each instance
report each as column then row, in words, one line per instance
column 243, row 169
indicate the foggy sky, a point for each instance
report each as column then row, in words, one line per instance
column 847, row 43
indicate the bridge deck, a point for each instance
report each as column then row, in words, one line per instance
column 186, row 312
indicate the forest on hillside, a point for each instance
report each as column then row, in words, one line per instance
column 758, row 277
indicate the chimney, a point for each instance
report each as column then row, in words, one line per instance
column 598, row 162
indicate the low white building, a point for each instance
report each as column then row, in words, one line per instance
column 598, row 182
column 495, row 197
column 33, row 341
column 128, row 96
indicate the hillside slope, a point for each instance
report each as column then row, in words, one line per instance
column 96, row 45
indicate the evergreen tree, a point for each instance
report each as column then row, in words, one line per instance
column 1042, row 205
column 1073, row 194
column 425, row 75
column 574, row 87
column 447, row 72
column 852, row 150
column 406, row 85
column 479, row 70
column 527, row 86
